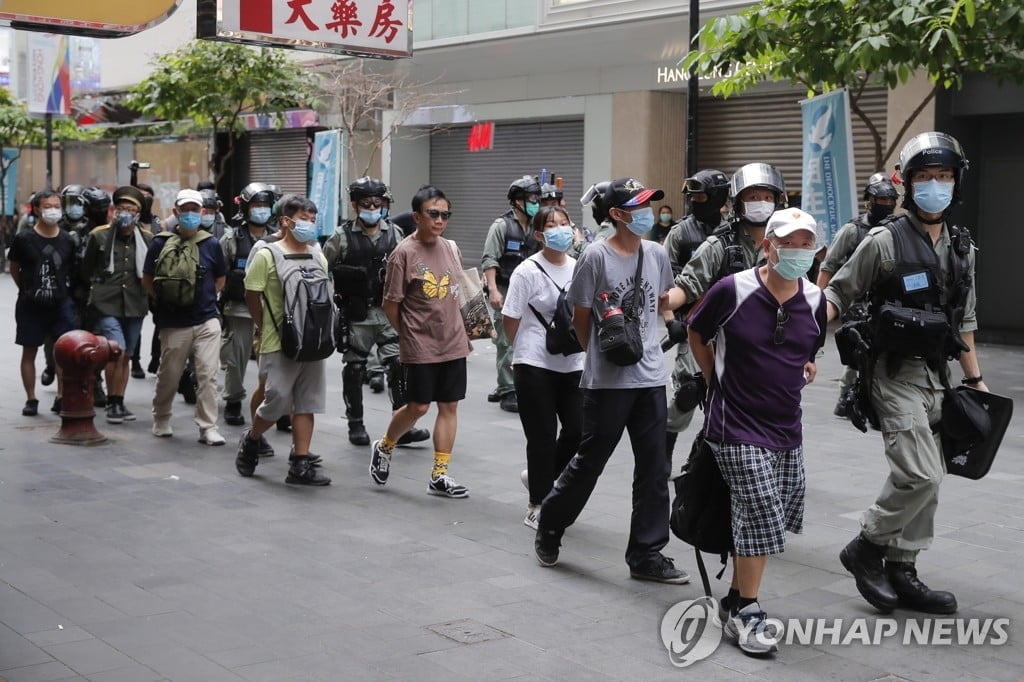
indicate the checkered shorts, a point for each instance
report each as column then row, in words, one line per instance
column 767, row 494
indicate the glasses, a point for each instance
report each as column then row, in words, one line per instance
column 435, row 214
column 781, row 318
column 925, row 176
column 371, row 204
column 127, row 208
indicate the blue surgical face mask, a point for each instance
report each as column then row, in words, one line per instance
column 207, row 220
column 189, row 220
column 75, row 212
column 304, row 231
column 643, row 221
column 793, row 263
column 123, row 221
column 532, row 207
column 259, row 215
column 933, row 196
column 558, row 238
column 371, row 218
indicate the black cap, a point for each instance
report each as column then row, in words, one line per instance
column 627, row 192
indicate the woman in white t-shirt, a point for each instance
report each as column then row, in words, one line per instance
column 547, row 383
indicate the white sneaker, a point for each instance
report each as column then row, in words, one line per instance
column 162, row 427
column 532, row 517
column 211, row 436
column 749, row 628
column 524, row 476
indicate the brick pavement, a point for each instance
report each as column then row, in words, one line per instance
column 151, row 559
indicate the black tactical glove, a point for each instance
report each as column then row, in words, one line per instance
column 676, row 331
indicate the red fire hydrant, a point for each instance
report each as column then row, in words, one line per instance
column 79, row 354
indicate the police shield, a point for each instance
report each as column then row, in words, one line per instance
column 973, row 425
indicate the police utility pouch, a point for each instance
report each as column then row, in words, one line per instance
column 352, row 289
column 618, row 332
column 912, row 331
column 973, row 425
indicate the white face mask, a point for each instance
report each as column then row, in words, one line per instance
column 51, row 215
column 758, row 212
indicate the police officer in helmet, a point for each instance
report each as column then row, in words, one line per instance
column 509, row 242
column 914, row 264
column 706, row 193
column 356, row 253
column 880, row 197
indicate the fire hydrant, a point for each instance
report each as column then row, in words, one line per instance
column 79, row 354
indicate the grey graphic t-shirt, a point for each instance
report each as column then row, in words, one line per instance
column 601, row 270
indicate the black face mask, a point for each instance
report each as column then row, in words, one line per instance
column 879, row 212
column 706, row 212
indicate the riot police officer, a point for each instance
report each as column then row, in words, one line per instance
column 509, row 242
column 356, row 253
column 917, row 267
column 707, row 191
column 254, row 202
column 212, row 219
column 551, row 195
column 757, row 190
column 880, row 197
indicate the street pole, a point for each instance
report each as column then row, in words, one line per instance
column 692, row 95
column 49, row 151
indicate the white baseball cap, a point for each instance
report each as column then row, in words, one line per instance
column 789, row 220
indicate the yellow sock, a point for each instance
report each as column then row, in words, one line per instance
column 387, row 445
column 440, row 464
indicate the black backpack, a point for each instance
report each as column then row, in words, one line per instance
column 307, row 326
column 560, row 337
column 701, row 513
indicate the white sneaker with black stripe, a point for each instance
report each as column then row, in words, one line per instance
column 445, row 486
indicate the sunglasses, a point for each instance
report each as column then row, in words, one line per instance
column 435, row 214
column 781, row 318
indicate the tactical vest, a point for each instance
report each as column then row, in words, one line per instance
column 362, row 252
column 735, row 258
column 517, row 247
column 234, row 287
column 917, row 290
column 692, row 234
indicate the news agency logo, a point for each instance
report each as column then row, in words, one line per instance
column 692, row 631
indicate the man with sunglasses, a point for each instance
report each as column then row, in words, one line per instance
column 423, row 304
column 356, row 253
column 772, row 318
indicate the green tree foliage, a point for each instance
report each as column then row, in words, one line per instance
column 214, row 84
column 829, row 44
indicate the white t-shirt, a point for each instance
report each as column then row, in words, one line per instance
column 529, row 286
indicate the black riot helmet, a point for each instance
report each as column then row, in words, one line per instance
column 73, row 194
column 932, row 149
column 760, row 175
column 594, row 197
column 879, row 185
column 367, row 187
column 210, row 199
column 713, row 183
column 97, row 205
column 520, row 188
column 259, row 192
column 548, row 191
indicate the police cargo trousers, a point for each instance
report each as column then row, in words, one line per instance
column 175, row 345
column 235, row 351
column 903, row 515
column 606, row 413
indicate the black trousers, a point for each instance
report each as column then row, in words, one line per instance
column 547, row 398
column 606, row 413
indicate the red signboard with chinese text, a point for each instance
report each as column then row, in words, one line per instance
column 368, row 28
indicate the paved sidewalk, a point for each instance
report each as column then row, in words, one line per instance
column 151, row 559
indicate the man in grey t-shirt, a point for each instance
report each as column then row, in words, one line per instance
column 618, row 398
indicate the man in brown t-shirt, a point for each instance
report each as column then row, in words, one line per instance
column 422, row 302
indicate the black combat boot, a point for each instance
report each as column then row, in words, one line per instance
column 352, row 391
column 233, row 413
column 357, row 434
column 863, row 559
column 914, row 594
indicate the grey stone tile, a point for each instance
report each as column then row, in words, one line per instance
column 71, row 633
column 18, row 652
column 88, row 656
column 41, row 672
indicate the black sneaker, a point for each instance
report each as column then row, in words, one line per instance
column 414, row 435
column 285, row 424
column 313, row 459
column 494, row 396
column 545, row 546
column 114, row 415
column 31, row 408
column 57, row 405
column 47, row 377
column 510, row 402
column 264, row 449
column 380, row 464
column 303, row 472
column 445, row 486
column 125, row 413
column 660, row 569
column 137, row 371
column 248, row 455
column 233, row 413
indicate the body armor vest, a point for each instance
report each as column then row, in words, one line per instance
column 234, row 287
column 735, row 259
column 692, row 233
column 369, row 256
column 517, row 247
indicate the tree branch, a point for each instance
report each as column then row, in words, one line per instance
column 898, row 137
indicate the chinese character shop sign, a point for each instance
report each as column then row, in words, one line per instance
column 373, row 28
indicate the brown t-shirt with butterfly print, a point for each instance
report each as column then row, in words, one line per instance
column 424, row 280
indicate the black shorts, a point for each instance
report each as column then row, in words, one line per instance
column 36, row 324
column 435, row 382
